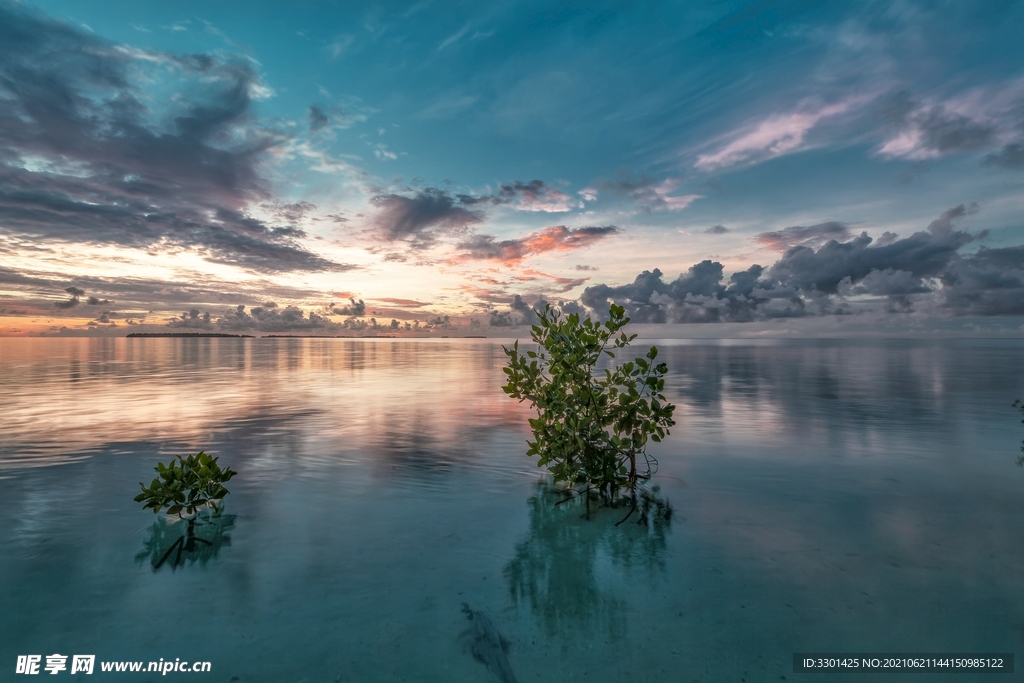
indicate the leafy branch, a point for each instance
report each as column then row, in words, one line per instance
column 591, row 429
column 186, row 486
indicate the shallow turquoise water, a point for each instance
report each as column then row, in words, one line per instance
column 828, row 496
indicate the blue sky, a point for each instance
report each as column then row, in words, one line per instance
column 411, row 161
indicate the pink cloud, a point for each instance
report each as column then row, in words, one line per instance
column 775, row 136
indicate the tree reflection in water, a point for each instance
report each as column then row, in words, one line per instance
column 575, row 573
column 178, row 542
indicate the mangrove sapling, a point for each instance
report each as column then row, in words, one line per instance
column 186, row 487
column 592, row 427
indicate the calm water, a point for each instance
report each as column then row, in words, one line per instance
column 828, row 497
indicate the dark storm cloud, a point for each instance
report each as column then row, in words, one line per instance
column 84, row 159
column 417, row 217
column 923, row 254
column 811, row 235
column 833, row 279
column 698, row 295
column 889, row 282
column 989, row 282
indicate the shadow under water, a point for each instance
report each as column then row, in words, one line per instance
column 560, row 569
column 487, row 645
column 178, row 542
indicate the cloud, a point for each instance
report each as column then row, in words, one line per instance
column 989, row 282
column 292, row 212
column 697, row 295
column 535, row 195
column 834, row 278
column 418, row 217
column 75, row 293
column 404, row 303
column 521, row 313
column 928, row 132
column 1010, row 156
column 356, row 308
column 716, row 230
column 268, row 319
column 317, row 118
column 889, row 282
column 925, row 254
column 192, row 320
column 774, row 136
column 137, row 297
column 382, row 152
column 328, row 117
column 812, row 235
column 651, row 195
column 75, row 299
column 272, row 319
column 89, row 155
column 555, row 238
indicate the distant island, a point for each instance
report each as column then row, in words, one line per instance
column 187, row 334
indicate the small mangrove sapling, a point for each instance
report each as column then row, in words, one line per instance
column 185, row 488
column 592, row 427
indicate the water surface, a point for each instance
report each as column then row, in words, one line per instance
column 828, row 496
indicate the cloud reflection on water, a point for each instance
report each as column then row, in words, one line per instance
column 66, row 398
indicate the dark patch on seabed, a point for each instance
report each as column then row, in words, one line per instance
column 487, row 646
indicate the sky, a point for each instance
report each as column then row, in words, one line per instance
column 445, row 169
